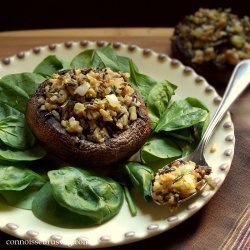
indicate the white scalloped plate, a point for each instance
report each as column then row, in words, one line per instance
column 151, row 219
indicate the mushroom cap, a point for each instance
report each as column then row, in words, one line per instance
column 56, row 140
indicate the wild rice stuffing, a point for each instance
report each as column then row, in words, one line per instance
column 215, row 35
column 93, row 104
column 178, row 181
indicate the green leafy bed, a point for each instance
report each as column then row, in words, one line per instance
column 72, row 197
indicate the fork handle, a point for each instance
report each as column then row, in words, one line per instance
column 239, row 80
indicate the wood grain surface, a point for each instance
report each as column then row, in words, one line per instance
column 154, row 38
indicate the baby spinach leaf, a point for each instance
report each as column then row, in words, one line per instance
column 84, row 59
column 185, row 134
column 140, row 176
column 15, row 89
column 7, row 110
column 107, row 57
column 15, row 92
column 45, row 208
column 194, row 102
column 186, row 147
column 99, row 198
column 17, row 177
column 181, row 123
column 23, row 198
column 200, row 127
column 180, row 115
column 31, row 154
column 159, row 148
column 15, row 133
column 141, row 82
column 123, row 63
column 101, row 58
column 50, row 65
column 158, row 100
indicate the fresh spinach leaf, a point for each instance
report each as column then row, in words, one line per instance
column 45, row 208
column 186, row 134
column 200, row 127
column 107, row 57
column 31, row 154
column 141, row 82
column 6, row 110
column 140, row 176
column 17, row 177
column 50, row 65
column 84, row 59
column 15, row 133
column 14, row 95
column 180, row 115
column 182, row 123
column 159, row 148
column 123, row 63
column 194, row 102
column 186, row 147
column 159, row 151
column 158, row 100
column 15, row 89
column 101, row 58
column 23, row 198
column 99, row 198
column 18, row 185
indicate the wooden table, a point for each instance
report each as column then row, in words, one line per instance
column 154, row 38
column 158, row 40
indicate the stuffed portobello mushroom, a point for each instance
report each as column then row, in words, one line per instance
column 212, row 41
column 90, row 117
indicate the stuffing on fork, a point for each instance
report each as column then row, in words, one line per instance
column 177, row 181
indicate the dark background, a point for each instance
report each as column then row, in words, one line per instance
column 43, row 14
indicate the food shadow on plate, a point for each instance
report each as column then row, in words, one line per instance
column 151, row 209
column 4, row 205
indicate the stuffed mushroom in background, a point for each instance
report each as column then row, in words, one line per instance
column 89, row 117
column 212, row 42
